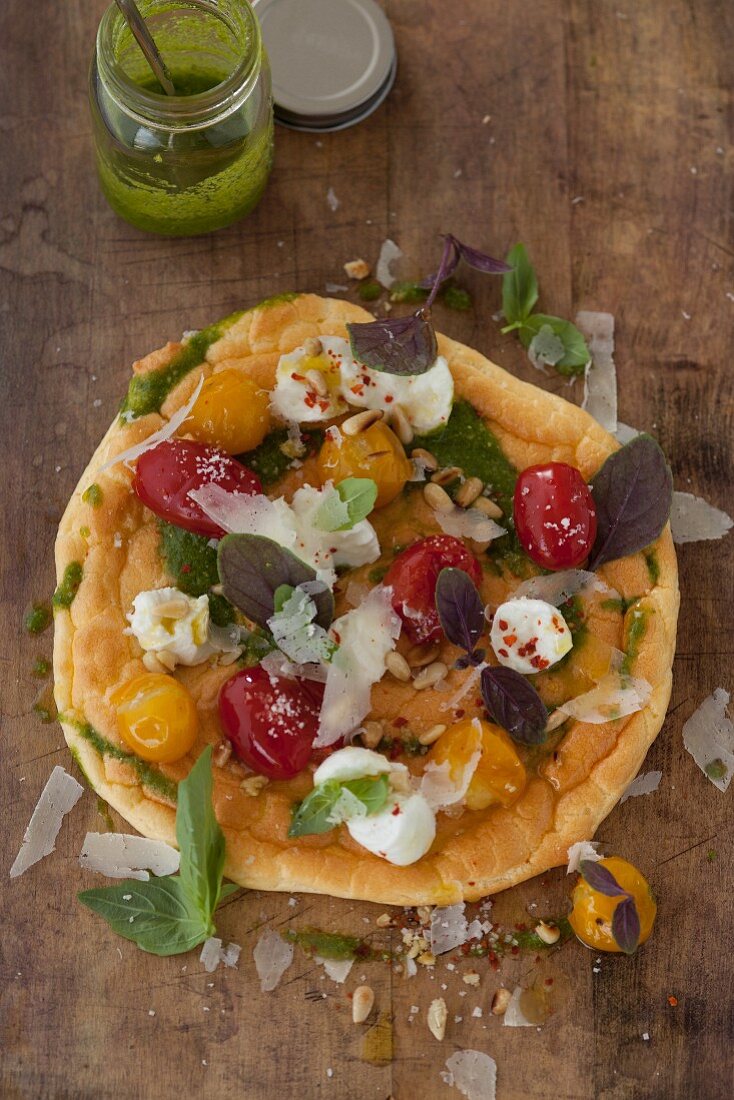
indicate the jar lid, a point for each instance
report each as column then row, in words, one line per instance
column 333, row 61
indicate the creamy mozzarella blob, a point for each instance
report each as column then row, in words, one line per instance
column 425, row 399
column 529, row 635
column 299, row 396
column 404, row 829
column 165, row 620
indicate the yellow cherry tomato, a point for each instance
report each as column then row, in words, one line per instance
column 231, row 412
column 500, row 775
column 156, row 717
column 591, row 916
column 376, row 452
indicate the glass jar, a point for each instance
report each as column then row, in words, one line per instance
column 190, row 163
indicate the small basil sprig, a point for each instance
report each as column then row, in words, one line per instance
column 315, row 813
column 514, row 704
column 408, row 345
column 553, row 340
column 461, row 611
column 625, row 919
column 633, row 492
column 251, row 569
column 167, row 916
column 352, row 501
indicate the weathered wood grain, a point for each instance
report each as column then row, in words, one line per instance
column 608, row 151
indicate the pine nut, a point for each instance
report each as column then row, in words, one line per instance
column 437, row 498
column 488, row 507
column 361, row 421
column 166, row 659
column 422, row 455
column 317, row 382
column 372, row 734
column 430, row 675
column 384, row 921
column 152, row 663
column 222, row 753
column 397, row 666
column 357, row 269
column 418, row 656
column 556, row 719
column 171, row 609
column 470, row 978
column 401, row 425
column 447, row 475
column 469, row 492
column 254, row 784
column 432, row 735
column 362, row 1002
column 312, row 346
column 548, row 933
column 500, row 1001
column 436, row 1018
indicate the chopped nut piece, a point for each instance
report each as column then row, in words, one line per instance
column 361, row 421
column 471, row 978
column 384, row 920
column 312, row 346
column 500, row 1001
column 436, row 1018
column 548, row 933
column 357, row 269
column 488, row 507
column 372, row 734
column 447, row 475
column 317, row 382
column 432, row 735
column 427, row 959
column 222, row 753
column 469, row 492
column 430, row 675
column 423, row 913
column 397, row 666
column 422, row 455
column 152, row 663
column 437, row 498
column 362, row 1002
column 253, row 784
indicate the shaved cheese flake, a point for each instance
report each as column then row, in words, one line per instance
column 389, row 254
column 336, row 969
column 58, row 797
column 211, row 954
column 582, row 849
column 467, row 685
column 708, row 735
column 242, row 514
column 438, row 786
column 366, row 635
column 514, row 1015
column 231, row 954
column 272, row 957
column 166, row 432
column 120, row 855
column 600, row 375
column 693, row 519
column 615, row 696
column 625, row 434
column 556, row 588
column 469, row 523
column 473, row 1073
column 448, row 929
column 277, row 664
column 643, row 784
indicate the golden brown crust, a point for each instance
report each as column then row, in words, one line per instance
column 490, row 850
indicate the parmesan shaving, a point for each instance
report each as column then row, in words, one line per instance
column 272, row 957
column 439, row 788
column 600, row 375
column 389, row 254
column 625, row 434
column 336, row 969
column 448, row 929
column 166, row 432
column 473, row 1073
column 643, row 784
column 556, row 588
column 58, row 797
column 212, row 953
column 582, row 849
column 120, row 855
column 693, row 519
column 469, row 523
column 514, row 1015
column 708, row 736
column 467, row 685
column 615, row 696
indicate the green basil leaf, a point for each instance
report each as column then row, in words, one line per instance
column 159, row 916
column 200, row 840
column 519, row 287
column 576, row 353
column 372, row 791
column 312, row 815
column 353, row 500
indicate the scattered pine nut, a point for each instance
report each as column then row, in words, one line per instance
column 152, row 663
column 471, row 978
column 361, row 421
column 437, row 498
column 397, row 666
column 556, row 719
column 469, row 492
column 436, row 1018
column 170, row 609
column 312, row 346
column 500, row 1001
column 447, row 475
column 548, row 933
column 422, row 455
column 254, row 784
column 430, row 675
column 418, row 656
column 372, row 734
column 431, row 735
column 362, row 1002
column 317, row 382
column 488, row 507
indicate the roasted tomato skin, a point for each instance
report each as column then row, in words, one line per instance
column 166, row 474
column 271, row 722
column 413, row 576
column 555, row 516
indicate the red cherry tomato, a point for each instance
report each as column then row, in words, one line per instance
column 413, row 575
column 167, row 473
column 555, row 516
column 271, row 723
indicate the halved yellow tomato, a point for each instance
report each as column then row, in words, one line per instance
column 499, row 777
column 231, row 412
column 156, row 717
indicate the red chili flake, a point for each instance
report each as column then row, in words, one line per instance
column 672, row 1001
column 509, row 639
column 504, row 653
column 185, row 568
column 503, row 624
column 298, row 377
column 309, row 400
column 515, row 950
column 388, row 398
column 471, row 882
column 493, row 960
column 396, row 811
column 400, row 722
column 459, row 713
column 549, row 981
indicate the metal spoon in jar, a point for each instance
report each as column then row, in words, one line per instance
column 144, row 39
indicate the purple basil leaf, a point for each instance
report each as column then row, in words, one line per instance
column 460, row 608
column 626, row 926
column 449, row 262
column 599, row 878
column 514, row 704
column 480, row 261
column 632, row 492
column 400, row 345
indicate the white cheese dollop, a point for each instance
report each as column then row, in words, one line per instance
column 165, row 620
column 295, row 398
column 425, row 399
column 353, row 763
column 529, row 635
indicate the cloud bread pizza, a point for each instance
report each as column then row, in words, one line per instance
column 422, row 611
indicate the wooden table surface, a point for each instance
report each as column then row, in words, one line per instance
column 607, row 150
